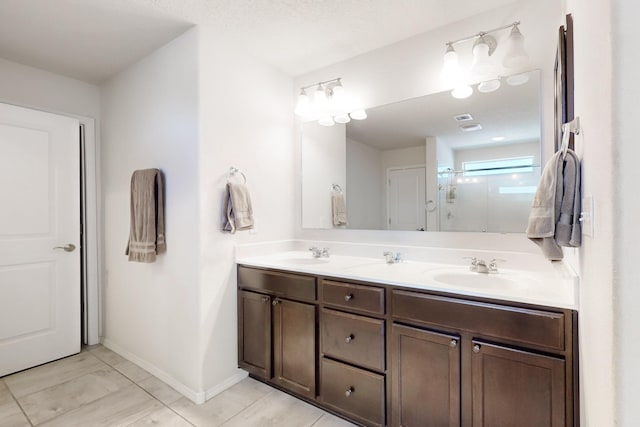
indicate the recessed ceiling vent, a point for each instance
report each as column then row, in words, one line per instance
column 463, row 117
column 471, row 127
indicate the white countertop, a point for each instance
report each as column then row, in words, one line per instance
column 556, row 286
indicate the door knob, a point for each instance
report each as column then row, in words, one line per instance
column 69, row 247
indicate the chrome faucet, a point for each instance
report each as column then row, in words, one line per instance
column 480, row 265
column 317, row 252
column 392, row 258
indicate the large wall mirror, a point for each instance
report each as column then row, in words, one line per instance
column 432, row 163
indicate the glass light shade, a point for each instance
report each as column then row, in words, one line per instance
column 451, row 72
column 342, row 118
column 489, row 86
column 516, row 56
column 326, row 121
column 518, row 79
column 358, row 114
column 319, row 98
column 462, row 91
column 482, row 65
column 302, row 107
column 338, row 92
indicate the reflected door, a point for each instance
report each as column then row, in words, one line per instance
column 406, row 198
column 39, row 238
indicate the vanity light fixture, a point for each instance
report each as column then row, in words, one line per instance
column 483, row 66
column 330, row 104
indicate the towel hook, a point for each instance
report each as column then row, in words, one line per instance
column 233, row 171
column 572, row 127
column 336, row 187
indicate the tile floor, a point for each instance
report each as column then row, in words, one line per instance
column 100, row 388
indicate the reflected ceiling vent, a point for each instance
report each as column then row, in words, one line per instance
column 472, row 127
column 463, row 117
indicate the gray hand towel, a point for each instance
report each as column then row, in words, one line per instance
column 237, row 208
column 568, row 228
column 339, row 209
column 553, row 220
column 146, row 235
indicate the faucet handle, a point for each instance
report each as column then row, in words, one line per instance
column 493, row 264
column 325, row 252
column 474, row 262
column 315, row 251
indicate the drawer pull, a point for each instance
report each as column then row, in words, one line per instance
column 349, row 338
column 349, row 391
column 476, row 348
column 348, row 297
column 265, row 299
column 453, row 343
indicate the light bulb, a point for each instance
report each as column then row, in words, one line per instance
column 342, row 118
column 462, row 91
column 358, row 114
column 302, row 107
column 518, row 79
column 326, row 121
column 489, row 86
column 516, row 56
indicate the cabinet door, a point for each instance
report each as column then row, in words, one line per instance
column 254, row 333
column 516, row 388
column 294, row 346
column 425, row 368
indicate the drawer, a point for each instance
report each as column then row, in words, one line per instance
column 357, row 393
column 280, row 284
column 352, row 338
column 528, row 326
column 357, row 297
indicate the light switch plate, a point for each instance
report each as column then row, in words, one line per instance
column 586, row 216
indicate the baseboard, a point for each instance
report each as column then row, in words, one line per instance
column 220, row 387
column 195, row 396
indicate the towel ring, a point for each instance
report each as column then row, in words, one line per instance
column 233, row 171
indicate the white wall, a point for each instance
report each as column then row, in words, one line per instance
column 624, row 142
column 324, row 156
column 39, row 89
column 593, row 80
column 411, row 68
column 246, row 121
column 150, row 120
column 493, row 152
column 365, row 206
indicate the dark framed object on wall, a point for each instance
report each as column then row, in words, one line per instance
column 564, row 82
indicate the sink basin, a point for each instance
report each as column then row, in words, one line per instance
column 305, row 261
column 475, row 280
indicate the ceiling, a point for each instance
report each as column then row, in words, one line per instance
column 92, row 40
column 512, row 112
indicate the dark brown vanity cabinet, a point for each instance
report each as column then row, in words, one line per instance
column 277, row 335
column 353, row 351
column 384, row 355
column 426, row 377
column 471, row 363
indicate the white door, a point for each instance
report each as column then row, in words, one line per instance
column 406, row 199
column 39, row 211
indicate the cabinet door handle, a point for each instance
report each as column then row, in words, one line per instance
column 349, row 391
column 265, row 299
column 276, row 301
column 453, row 343
column 348, row 297
column 349, row 338
column 476, row 348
